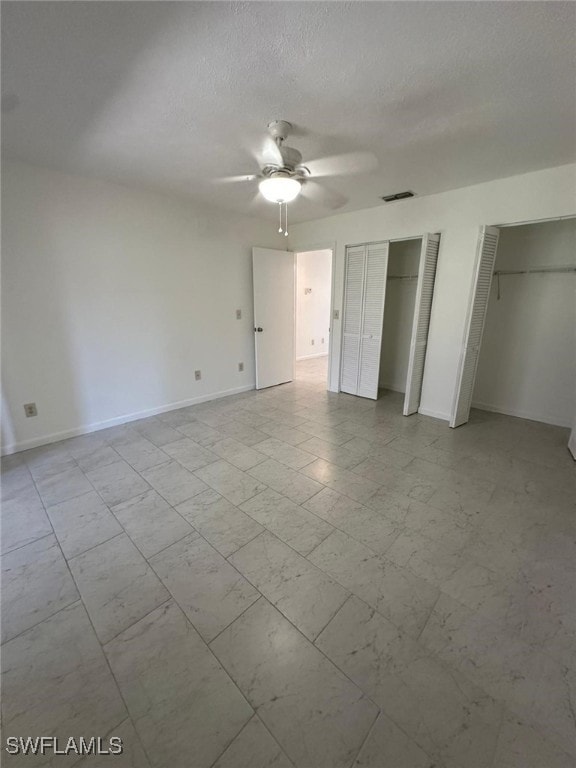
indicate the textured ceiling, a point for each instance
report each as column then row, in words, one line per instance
column 171, row 95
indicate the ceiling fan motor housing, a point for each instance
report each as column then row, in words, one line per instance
column 291, row 158
column 279, row 129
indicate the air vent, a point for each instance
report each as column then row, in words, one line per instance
column 397, row 196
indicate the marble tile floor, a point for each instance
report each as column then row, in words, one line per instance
column 295, row 578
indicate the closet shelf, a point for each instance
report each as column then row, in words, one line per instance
column 531, row 271
column 402, row 277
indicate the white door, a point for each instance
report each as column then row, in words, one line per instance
column 364, row 295
column 372, row 319
column 352, row 319
column 421, row 324
column 487, row 247
column 273, row 277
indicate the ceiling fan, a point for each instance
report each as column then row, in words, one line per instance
column 283, row 177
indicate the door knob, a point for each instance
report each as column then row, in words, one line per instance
column 258, row 330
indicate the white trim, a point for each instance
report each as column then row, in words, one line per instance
column 531, row 416
column 86, row 429
column 434, row 414
column 388, row 240
column 536, row 221
column 309, row 357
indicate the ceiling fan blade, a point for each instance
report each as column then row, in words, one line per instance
column 235, row 179
column 270, row 154
column 340, row 165
column 320, row 194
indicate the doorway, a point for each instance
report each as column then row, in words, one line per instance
column 313, row 295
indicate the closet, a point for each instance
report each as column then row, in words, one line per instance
column 378, row 343
column 519, row 350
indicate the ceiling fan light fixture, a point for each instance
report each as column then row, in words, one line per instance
column 280, row 189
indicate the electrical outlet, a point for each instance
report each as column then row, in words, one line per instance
column 238, row 314
column 312, row 342
column 322, row 340
column 240, row 367
column 30, row 410
column 197, row 375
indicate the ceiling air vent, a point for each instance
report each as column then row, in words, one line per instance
column 397, row 196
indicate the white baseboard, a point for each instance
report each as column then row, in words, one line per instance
column 434, row 414
column 531, row 416
column 310, row 357
column 391, row 388
column 86, row 429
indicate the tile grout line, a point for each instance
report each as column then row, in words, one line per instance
column 117, row 684
column 46, row 618
column 415, row 457
column 252, row 604
column 312, row 642
column 33, row 541
column 368, row 734
column 169, row 599
column 81, row 600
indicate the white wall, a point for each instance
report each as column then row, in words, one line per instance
column 527, row 364
column 457, row 215
column 403, row 259
column 112, row 298
column 313, row 271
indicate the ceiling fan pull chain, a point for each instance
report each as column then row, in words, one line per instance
column 286, row 219
column 280, row 212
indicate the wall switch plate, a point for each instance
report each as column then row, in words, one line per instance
column 336, row 314
column 240, row 367
column 238, row 314
column 197, row 375
column 30, row 410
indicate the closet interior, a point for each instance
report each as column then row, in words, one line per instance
column 520, row 354
column 388, row 291
column 401, row 285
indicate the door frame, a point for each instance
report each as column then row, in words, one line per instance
column 471, row 295
column 388, row 240
column 324, row 246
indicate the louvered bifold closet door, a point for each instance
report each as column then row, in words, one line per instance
column 372, row 319
column 352, row 320
column 487, row 248
column 421, row 324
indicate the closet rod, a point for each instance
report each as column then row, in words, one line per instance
column 534, row 270
column 402, row 277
